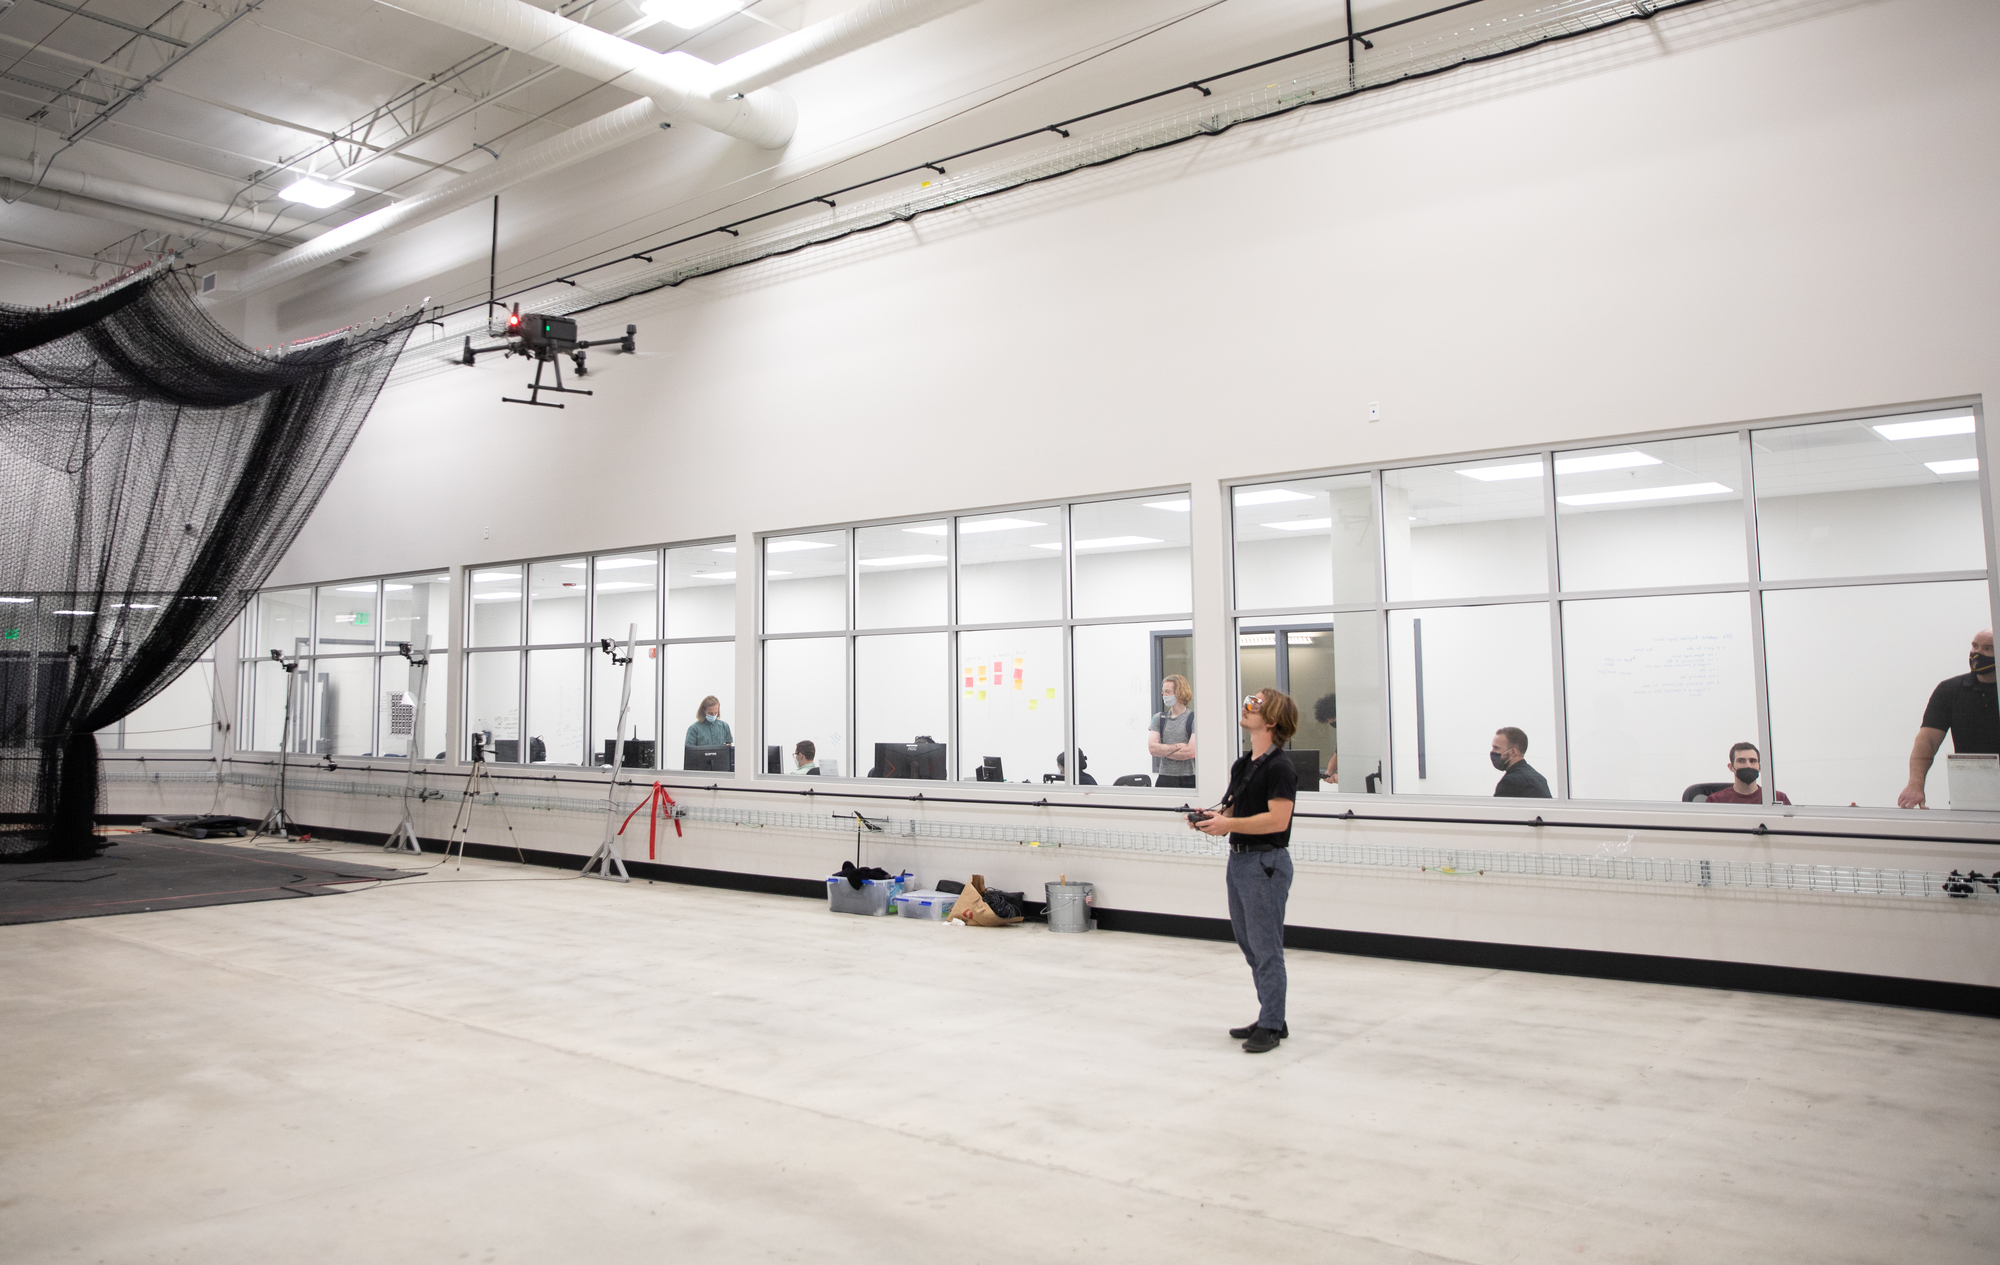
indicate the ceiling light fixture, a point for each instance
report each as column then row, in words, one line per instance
column 713, row 575
column 1182, row 506
column 1271, row 496
column 16, row 599
column 1303, row 524
column 690, row 15
column 993, row 524
column 1604, row 461
column 905, row 559
column 494, row 577
column 1968, row 465
column 496, row 597
column 1674, row 493
column 793, row 546
column 76, row 612
column 607, row 586
column 355, row 588
column 315, row 193
column 615, row 564
column 1929, row 428
column 1108, row 542
column 927, row 529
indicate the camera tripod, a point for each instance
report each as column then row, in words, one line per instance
column 276, row 821
column 461, row 825
column 605, row 863
column 404, row 837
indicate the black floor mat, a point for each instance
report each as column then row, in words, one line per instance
column 146, row 872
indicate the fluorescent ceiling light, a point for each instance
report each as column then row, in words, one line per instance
column 76, row 612
column 615, row 564
column 1110, row 542
column 906, row 558
column 1929, row 428
column 138, row 606
column 606, row 586
column 793, row 546
column 1303, row 524
column 713, row 575
column 396, row 588
column 1182, row 506
column 1604, row 461
column 570, row 566
column 16, row 599
column 927, row 529
column 496, row 597
column 492, row 577
column 993, row 524
column 1271, row 496
column 355, row 588
column 690, row 15
column 1969, row 465
column 771, row 573
column 1494, row 474
column 1646, row 494
column 725, row 548
column 316, row 193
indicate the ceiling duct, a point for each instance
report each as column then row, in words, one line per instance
column 674, row 85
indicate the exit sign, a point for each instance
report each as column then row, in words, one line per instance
column 361, row 617
column 11, row 634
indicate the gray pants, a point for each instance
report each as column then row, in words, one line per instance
column 1258, row 885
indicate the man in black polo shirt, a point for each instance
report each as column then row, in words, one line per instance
column 1257, row 817
column 1965, row 706
column 1518, row 778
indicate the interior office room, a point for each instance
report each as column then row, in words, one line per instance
column 529, row 516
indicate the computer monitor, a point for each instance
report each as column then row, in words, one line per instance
column 989, row 770
column 921, row 760
column 638, row 753
column 506, row 750
column 709, row 759
column 774, row 759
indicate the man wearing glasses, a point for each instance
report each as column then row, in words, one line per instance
column 1257, row 817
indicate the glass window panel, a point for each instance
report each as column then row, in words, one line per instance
column 1659, row 514
column 1009, row 565
column 1119, row 670
column 805, row 692
column 695, row 672
column 627, row 593
column 1841, row 732
column 641, row 722
column 1468, row 529
column 397, row 714
column 1008, row 711
column 348, row 617
column 1131, row 557
column 493, row 615
column 805, row 582
column 701, row 592
column 555, row 602
column 415, row 607
column 1481, row 668
column 1306, row 542
column 493, row 701
column 180, row 717
column 555, row 710
column 1658, row 689
column 281, row 624
column 899, row 576
column 900, row 685
column 343, row 705
column 1331, row 666
column 1884, row 496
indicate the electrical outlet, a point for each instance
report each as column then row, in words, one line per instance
column 1374, row 411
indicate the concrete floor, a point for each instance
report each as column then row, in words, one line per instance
column 508, row 1065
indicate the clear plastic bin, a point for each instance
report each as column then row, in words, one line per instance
column 935, row 906
column 873, row 898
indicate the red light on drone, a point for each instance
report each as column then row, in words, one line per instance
column 514, row 320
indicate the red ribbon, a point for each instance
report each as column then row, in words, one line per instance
column 658, row 793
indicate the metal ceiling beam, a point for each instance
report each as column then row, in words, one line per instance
column 123, row 26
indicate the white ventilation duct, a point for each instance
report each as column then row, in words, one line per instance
column 157, row 208
column 668, row 79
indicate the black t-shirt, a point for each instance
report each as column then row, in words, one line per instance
column 1522, row 782
column 1253, row 784
column 1969, row 709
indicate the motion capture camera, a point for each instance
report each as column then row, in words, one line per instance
column 478, row 747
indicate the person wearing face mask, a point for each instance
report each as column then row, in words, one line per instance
column 1745, row 763
column 709, row 729
column 1170, row 740
column 1967, row 708
column 1518, row 778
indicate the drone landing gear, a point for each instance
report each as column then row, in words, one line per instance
column 536, row 387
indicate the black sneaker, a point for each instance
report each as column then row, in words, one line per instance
column 1262, row 1041
column 1241, row 1034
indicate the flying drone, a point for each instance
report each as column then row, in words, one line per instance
column 545, row 339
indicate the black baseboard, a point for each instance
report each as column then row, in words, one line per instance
column 1638, row 968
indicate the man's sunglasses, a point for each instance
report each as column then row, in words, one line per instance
column 1253, row 702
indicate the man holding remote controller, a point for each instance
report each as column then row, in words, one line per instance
column 1257, row 817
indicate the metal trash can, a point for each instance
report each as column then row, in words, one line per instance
column 1070, row 906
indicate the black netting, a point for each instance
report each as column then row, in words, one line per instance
column 152, row 472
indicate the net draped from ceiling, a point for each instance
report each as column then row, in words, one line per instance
column 153, row 470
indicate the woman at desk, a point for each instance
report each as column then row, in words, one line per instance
column 709, row 729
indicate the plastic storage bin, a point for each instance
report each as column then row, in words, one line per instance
column 873, row 898
column 935, row 906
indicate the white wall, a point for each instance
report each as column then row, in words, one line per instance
column 1755, row 209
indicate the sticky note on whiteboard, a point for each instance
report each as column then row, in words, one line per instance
column 982, row 696
column 1031, row 704
column 1052, row 692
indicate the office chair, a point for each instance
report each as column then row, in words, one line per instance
column 1700, row 791
column 1134, row 779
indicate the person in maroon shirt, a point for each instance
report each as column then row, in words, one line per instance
column 1744, row 764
